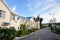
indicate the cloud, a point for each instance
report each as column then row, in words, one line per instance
column 50, row 0
column 55, row 12
column 43, row 8
column 34, row 6
column 29, row 7
column 38, row 5
column 14, row 8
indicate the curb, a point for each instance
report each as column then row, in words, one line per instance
column 17, row 38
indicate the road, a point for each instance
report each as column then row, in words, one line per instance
column 43, row 34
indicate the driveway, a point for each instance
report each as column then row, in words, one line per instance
column 42, row 34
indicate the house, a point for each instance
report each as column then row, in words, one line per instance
column 22, row 21
column 32, row 23
column 8, row 18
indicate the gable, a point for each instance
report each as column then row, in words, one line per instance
column 3, row 6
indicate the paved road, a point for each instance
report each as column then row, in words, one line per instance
column 43, row 34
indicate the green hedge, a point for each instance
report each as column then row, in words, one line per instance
column 26, row 32
column 41, row 27
column 57, row 30
column 7, row 34
column 22, row 32
column 33, row 30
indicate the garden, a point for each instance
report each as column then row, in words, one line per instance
column 10, row 34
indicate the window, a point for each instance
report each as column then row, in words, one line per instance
column 12, row 17
column 19, row 28
column 2, row 13
column 12, row 28
column 18, row 18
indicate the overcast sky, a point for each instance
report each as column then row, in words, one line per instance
column 29, row 8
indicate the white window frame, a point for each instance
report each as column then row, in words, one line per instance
column 2, row 14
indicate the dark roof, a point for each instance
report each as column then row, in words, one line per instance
column 28, row 17
column 21, row 17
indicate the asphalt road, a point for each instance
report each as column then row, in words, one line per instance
column 43, row 34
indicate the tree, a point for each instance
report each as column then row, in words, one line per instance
column 38, row 19
column 41, row 19
column 24, row 31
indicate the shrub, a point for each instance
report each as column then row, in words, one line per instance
column 43, row 26
column 22, row 32
column 7, row 34
column 52, row 29
column 19, row 33
column 33, row 30
column 57, row 30
column 29, row 30
column 25, row 32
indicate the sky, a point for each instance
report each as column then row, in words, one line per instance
column 47, row 9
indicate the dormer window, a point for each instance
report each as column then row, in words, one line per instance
column 2, row 14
